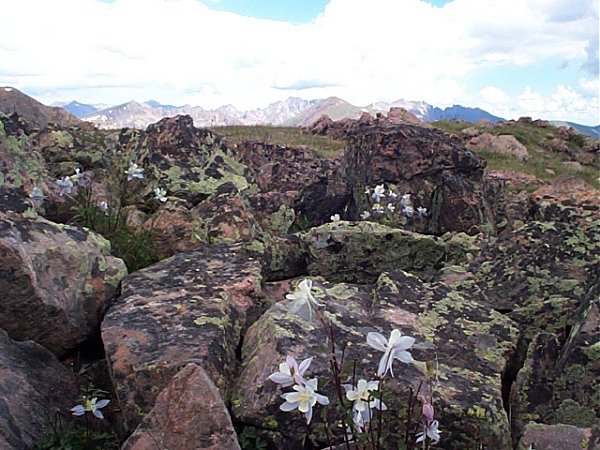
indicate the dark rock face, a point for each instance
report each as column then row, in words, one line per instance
column 311, row 185
column 61, row 275
column 190, row 308
column 467, row 395
column 34, row 386
column 189, row 414
column 435, row 167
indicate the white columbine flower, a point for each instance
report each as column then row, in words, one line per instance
column 395, row 347
column 405, row 200
column 392, row 195
column 365, row 215
column 160, row 194
column 304, row 399
column 65, row 184
column 363, row 401
column 421, row 212
column 431, row 431
column 78, row 177
column 378, row 193
column 335, row 218
column 390, row 208
column 134, row 171
column 104, row 207
column 290, row 372
column 304, row 303
column 90, row 406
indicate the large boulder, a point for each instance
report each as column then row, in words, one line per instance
column 435, row 167
column 35, row 386
column 189, row 414
column 305, row 182
column 60, row 275
column 190, row 308
column 360, row 251
column 468, row 390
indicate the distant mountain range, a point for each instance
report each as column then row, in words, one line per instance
column 290, row 112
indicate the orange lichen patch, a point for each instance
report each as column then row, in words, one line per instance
column 399, row 316
column 244, row 292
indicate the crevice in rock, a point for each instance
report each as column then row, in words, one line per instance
column 509, row 375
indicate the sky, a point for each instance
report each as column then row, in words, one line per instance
column 512, row 58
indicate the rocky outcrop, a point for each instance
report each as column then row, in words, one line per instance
column 189, row 413
column 34, row 387
column 61, row 275
column 190, row 308
column 505, row 144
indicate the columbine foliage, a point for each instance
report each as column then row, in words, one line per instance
column 110, row 216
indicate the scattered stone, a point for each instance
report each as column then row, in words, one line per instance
column 34, row 387
column 188, row 414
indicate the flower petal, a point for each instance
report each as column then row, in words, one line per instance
column 402, row 343
column 308, row 414
column 322, row 399
column 102, row 403
column 304, row 365
column 404, row 356
column 98, row 414
column 78, row 410
column 281, row 378
column 377, row 341
column 288, row 406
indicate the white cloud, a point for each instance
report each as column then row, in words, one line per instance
column 181, row 51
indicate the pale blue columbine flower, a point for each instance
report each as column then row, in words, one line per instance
column 365, row 215
column 290, row 372
column 335, row 218
column 134, row 172
column 363, row 401
column 36, row 196
column 390, row 208
column 408, row 210
column 377, row 209
column 104, row 207
column 431, row 431
column 392, row 195
column 304, row 399
column 421, row 212
column 78, row 177
column 92, row 406
column 394, row 348
column 160, row 194
column 304, row 303
column 65, row 184
column 406, row 200
column 378, row 193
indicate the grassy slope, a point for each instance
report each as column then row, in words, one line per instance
column 542, row 162
column 286, row 136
